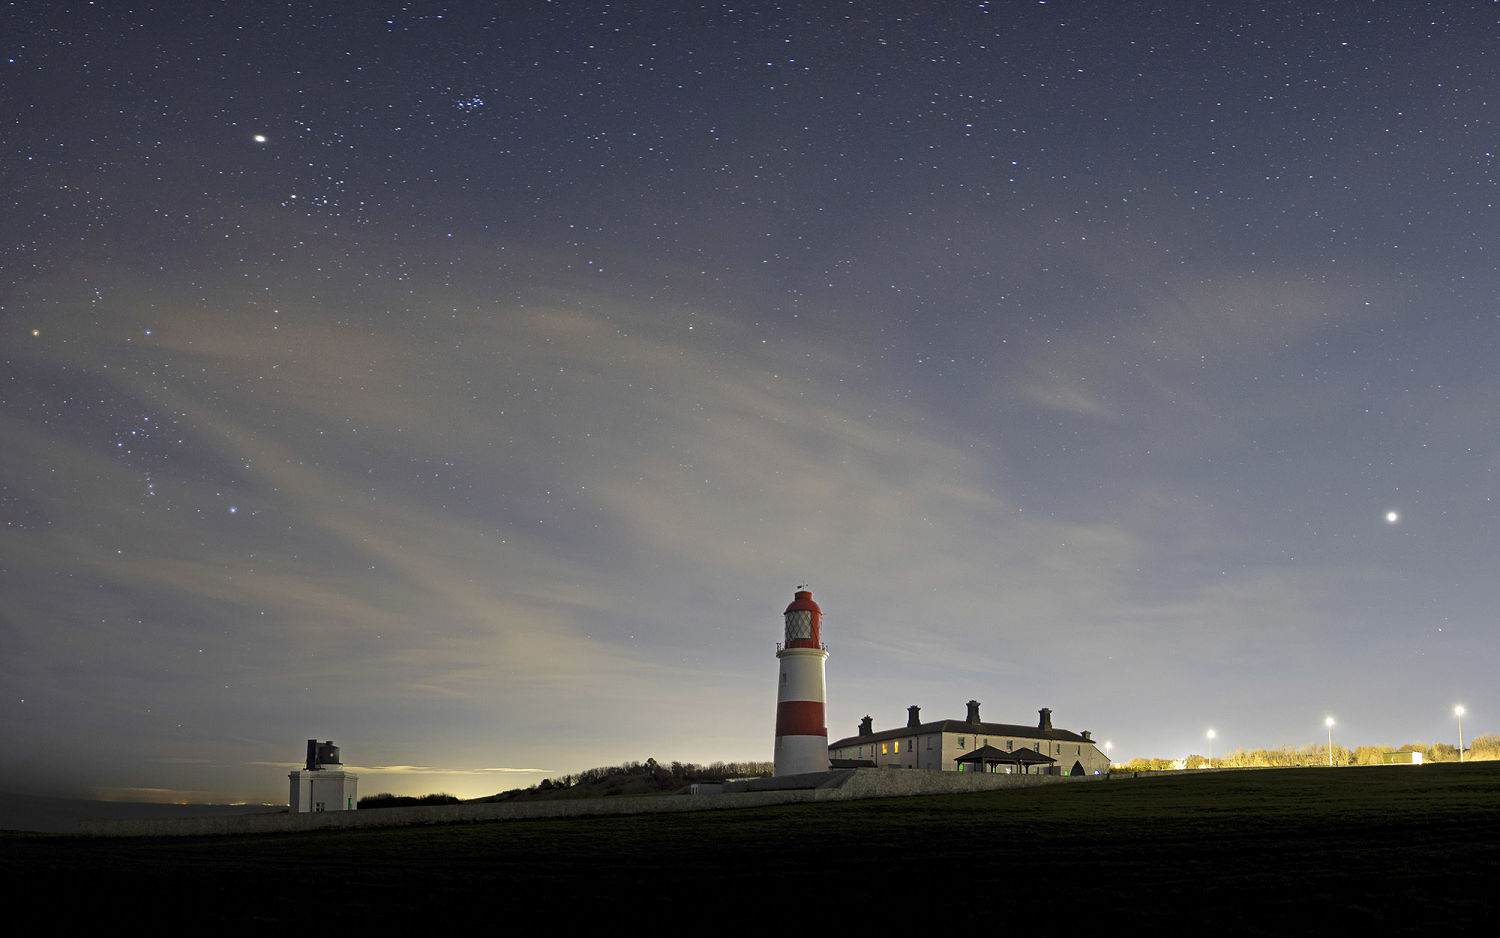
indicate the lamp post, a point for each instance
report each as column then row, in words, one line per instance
column 1329, row 723
column 1210, row 748
column 1458, row 711
column 1107, row 747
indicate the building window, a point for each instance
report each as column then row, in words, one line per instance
column 897, row 745
column 883, row 749
column 929, row 744
column 961, row 742
column 1010, row 744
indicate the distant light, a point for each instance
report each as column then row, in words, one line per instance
column 1211, row 734
column 1328, row 722
column 1392, row 517
column 1458, row 711
column 259, row 138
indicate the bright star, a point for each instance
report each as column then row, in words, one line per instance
column 259, row 138
column 1391, row 517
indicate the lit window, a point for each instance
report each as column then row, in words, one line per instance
column 897, row 745
column 882, row 749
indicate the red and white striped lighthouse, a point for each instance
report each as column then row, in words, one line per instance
column 801, row 695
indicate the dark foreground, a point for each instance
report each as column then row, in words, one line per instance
column 1401, row 848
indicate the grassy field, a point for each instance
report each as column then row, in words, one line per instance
column 1401, row 848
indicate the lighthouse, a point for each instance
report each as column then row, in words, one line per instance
column 801, row 727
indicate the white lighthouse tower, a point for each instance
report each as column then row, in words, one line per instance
column 801, row 695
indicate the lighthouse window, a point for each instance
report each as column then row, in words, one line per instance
column 799, row 624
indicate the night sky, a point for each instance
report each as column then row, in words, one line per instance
column 472, row 385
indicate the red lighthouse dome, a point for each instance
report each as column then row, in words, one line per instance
column 804, row 622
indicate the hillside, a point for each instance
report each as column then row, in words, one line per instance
column 1396, row 848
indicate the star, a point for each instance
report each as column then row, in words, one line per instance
column 1392, row 517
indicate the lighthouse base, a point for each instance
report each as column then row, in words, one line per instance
column 798, row 755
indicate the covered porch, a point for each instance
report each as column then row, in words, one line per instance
column 992, row 760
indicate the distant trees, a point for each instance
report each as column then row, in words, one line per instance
column 1483, row 748
column 388, row 800
column 629, row 778
column 1149, row 765
column 634, row 778
column 1369, row 755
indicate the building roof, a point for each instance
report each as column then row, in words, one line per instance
column 968, row 729
column 1015, row 757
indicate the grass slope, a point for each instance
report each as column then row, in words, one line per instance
column 1399, row 847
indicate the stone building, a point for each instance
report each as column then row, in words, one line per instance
column 971, row 745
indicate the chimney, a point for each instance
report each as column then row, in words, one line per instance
column 1086, row 736
column 974, row 711
column 913, row 717
column 865, row 727
column 1045, row 723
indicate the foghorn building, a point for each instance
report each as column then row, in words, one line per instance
column 971, row 745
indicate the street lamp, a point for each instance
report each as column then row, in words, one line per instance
column 1329, row 723
column 1458, row 711
column 1210, row 748
column 1107, row 747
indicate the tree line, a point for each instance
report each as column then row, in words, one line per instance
column 1483, row 748
column 387, row 800
column 678, row 772
column 629, row 778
